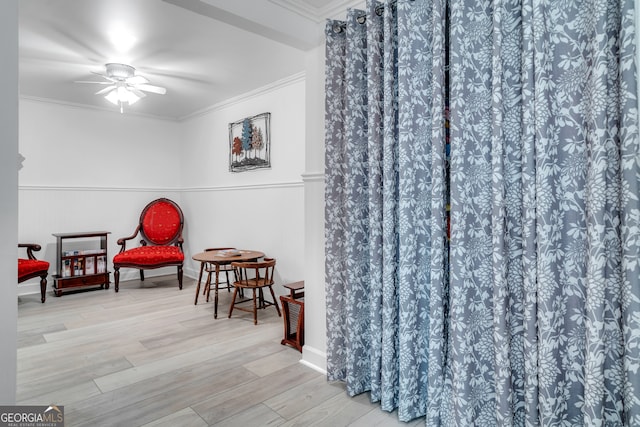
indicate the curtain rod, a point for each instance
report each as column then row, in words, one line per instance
column 361, row 19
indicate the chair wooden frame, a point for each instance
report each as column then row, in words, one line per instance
column 176, row 240
column 211, row 269
column 43, row 273
column 255, row 276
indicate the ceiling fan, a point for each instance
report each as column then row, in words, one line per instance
column 124, row 86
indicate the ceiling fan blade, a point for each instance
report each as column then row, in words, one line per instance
column 152, row 72
column 137, row 80
column 105, row 90
column 136, row 92
column 97, row 83
column 104, row 76
column 151, row 88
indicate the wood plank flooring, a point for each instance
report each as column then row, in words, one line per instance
column 147, row 356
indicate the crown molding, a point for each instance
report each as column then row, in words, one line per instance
column 94, row 108
column 317, row 14
column 295, row 78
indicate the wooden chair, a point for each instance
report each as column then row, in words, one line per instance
column 31, row 267
column 160, row 227
column 211, row 269
column 255, row 276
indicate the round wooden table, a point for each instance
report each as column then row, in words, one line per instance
column 219, row 258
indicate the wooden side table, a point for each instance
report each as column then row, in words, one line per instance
column 218, row 258
column 293, row 315
column 296, row 289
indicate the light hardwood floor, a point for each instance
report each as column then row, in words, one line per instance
column 148, row 356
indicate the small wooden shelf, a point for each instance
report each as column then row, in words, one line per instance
column 296, row 289
column 82, row 267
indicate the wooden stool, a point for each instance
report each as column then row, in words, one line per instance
column 293, row 314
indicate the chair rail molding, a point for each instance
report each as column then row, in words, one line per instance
column 263, row 186
column 312, row 176
column 87, row 188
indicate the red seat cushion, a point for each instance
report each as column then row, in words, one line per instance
column 161, row 223
column 150, row 255
column 29, row 266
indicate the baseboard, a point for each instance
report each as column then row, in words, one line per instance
column 27, row 288
column 192, row 273
column 127, row 274
column 314, row 359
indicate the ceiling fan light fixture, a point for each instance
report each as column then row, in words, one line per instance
column 125, row 95
column 122, row 96
column 132, row 98
column 125, row 87
column 113, row 97
column 120, row 71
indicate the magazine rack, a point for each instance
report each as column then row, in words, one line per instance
column 293, row 309
column 78, row 265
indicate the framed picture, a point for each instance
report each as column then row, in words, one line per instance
column 249, row 143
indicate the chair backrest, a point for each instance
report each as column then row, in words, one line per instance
column 258, row 273
column 161, row 222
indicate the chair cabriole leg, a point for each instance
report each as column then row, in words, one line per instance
column 43, row 287
column 116, row 277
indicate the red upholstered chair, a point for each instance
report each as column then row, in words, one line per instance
column 160, row 227
column 32, row 267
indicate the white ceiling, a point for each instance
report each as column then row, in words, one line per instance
column 203, row 52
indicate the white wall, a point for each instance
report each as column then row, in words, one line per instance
column 206, row 159
column 9, row 194
column 314, row 350
column 90, row 170
column 68, row 146
column 261, row 209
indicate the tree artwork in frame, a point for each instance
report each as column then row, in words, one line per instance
column 249, row 143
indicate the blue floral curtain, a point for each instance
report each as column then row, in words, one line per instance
column 384, row 109
column 532, row 317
